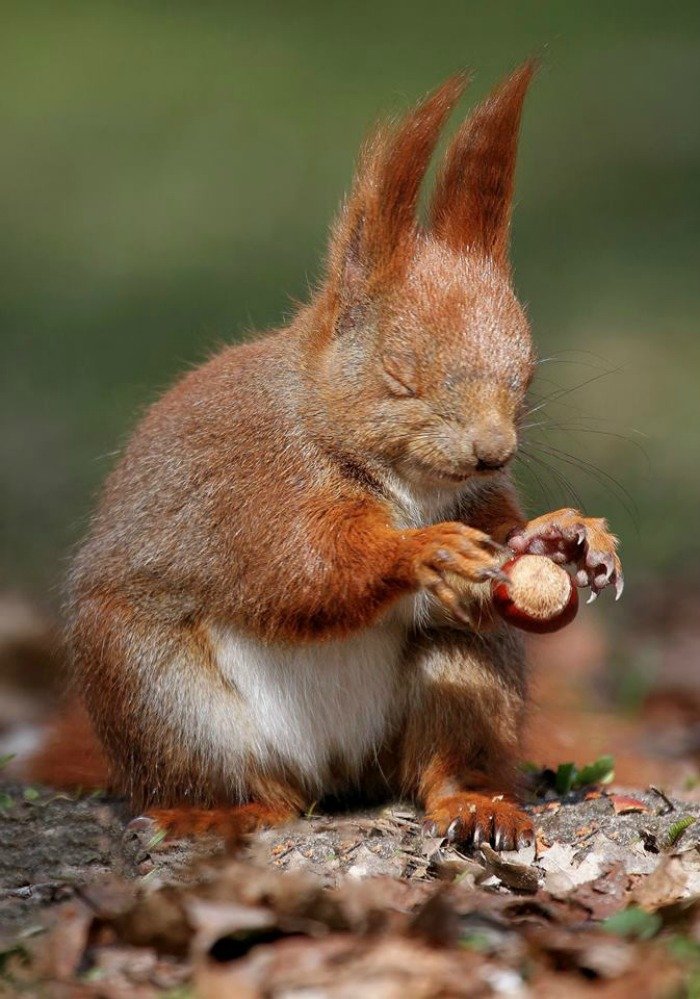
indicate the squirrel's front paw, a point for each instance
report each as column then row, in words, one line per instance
column 567, row 536
column 442, row 551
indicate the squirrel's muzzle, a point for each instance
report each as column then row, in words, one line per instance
column 494, row 446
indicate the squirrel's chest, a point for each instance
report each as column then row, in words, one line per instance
column 318, row 704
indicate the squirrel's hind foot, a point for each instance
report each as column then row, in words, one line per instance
column 232, row 823
column 471, row 818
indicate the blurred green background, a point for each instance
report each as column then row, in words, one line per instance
column 169, row 171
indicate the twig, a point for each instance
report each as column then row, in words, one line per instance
column 670, row 807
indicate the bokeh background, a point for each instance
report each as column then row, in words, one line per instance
column 168, row 174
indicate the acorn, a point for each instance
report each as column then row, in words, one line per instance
column 539, row 595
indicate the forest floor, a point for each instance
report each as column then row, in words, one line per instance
column 605, row 903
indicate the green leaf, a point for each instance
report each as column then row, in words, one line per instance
column 634, row 922
column 4, row 760
column 6, row 801
column 600, row 772
column 478, row 941
column 677, row 829
column 684, row 949
column 31, row 794
column 528, row 767
column 566, row 774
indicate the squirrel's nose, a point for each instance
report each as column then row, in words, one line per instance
column 493, row 448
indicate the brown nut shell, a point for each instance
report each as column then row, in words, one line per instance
column 539, row 597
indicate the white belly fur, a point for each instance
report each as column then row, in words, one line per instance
column 311, row 704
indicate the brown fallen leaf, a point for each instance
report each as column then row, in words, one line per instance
column 665, row 885
column 213, row 922
column 542, row 844
column 61, row 950
column 159, row 920
column 457, row 868
column 607, row 894
column 519, row 877
column 587, row 950
column 623, row 804
column 341, row 966
column 437, row 920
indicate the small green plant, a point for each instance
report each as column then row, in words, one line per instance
column 677, row 829
column 633, row 922
column 478, row 941
column 570, row 778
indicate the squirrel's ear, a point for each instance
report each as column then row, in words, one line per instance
column 374, row 237
column 472, row 202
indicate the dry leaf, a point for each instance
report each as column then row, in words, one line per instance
column 667, row 884
column 519, row 877
column 623, row 804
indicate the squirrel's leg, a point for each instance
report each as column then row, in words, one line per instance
column 177, row 734
column 459, row 750
column 72, row 757
column 361, row 565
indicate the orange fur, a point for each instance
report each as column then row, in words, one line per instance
column 232, row 823
column 473, row 196
column 71, row 755
column 276, row 512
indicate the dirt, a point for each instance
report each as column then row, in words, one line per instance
column 605, row 903
column 93, row 905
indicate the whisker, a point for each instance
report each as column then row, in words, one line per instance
column 623, row 496
column 562, row 392
column 528, row 466
column 572, row 428
column 605, row 433
column 559, row 358
column 531, row 466
column 568, row 490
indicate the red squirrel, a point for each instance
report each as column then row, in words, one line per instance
column 285, row 590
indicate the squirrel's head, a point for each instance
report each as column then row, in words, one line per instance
column 421, row 354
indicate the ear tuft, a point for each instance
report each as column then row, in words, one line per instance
column 374, row 237
column 471, row 206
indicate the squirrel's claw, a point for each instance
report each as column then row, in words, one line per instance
column 497, row 575
column 469, row 819
column 568, row 537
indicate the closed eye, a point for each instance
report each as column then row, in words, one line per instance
column 400, row 374
column 397, row 387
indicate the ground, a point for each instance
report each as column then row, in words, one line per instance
column 606, row 903
column 350, row 904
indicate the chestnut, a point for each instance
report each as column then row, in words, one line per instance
column 539, row 596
